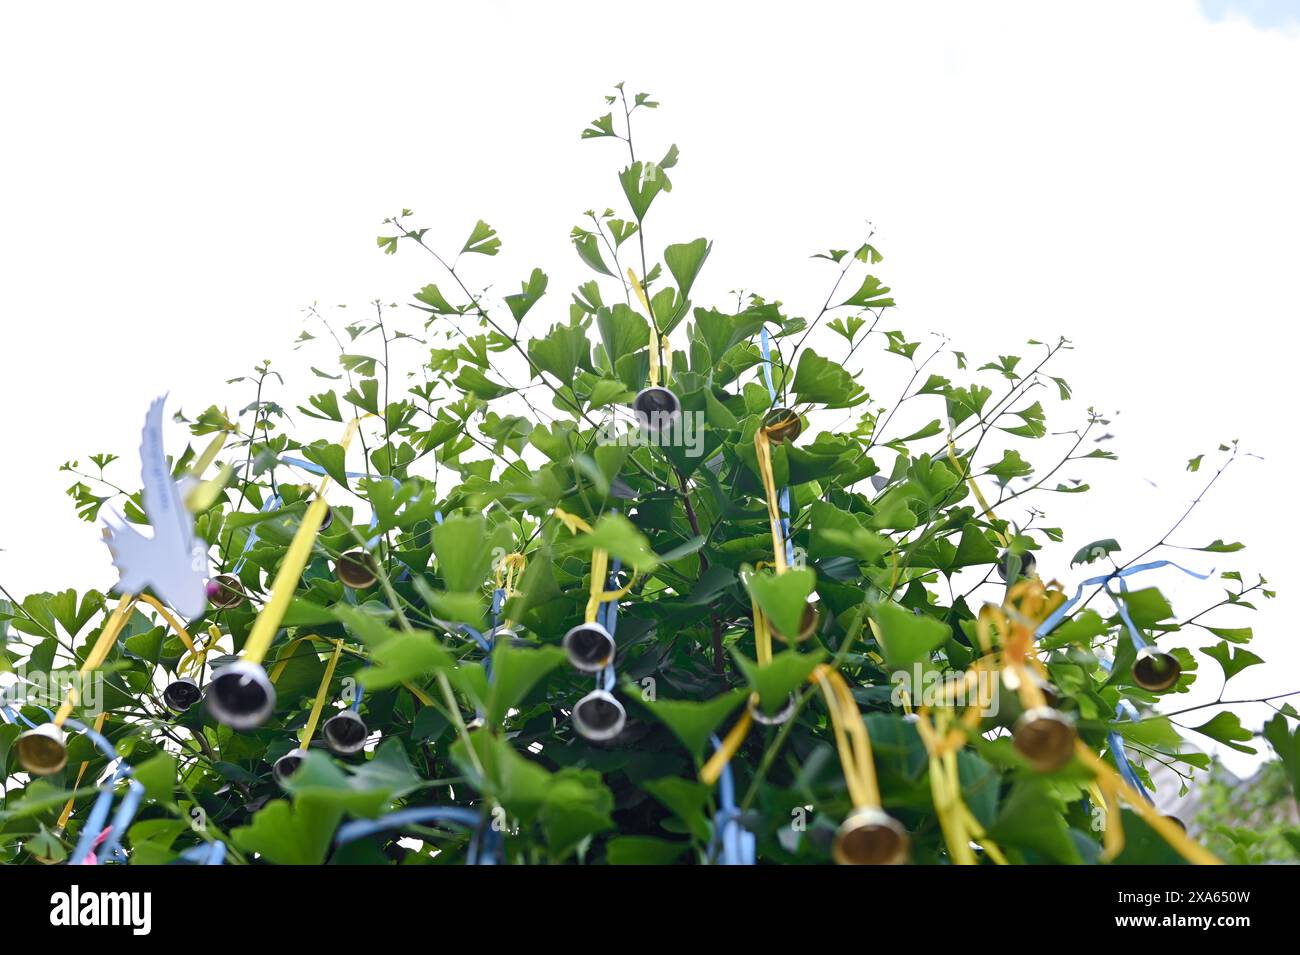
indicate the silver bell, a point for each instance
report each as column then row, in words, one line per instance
column 599, row 716
column 287, row 765
column 240, row 695
column 590, row 647
column 345, row 733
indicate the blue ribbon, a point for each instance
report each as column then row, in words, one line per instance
column 360, row 828
column 736, row 844
column 1116, row 742
column 271, row 504
column 126, row 810
column 213, row 853
column 1050, row 624
column 1124, row 707
column 321, row 472
column 607, row 617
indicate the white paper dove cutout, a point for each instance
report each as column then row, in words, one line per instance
column 171, row 562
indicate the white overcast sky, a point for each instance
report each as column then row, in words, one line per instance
column 179, row 181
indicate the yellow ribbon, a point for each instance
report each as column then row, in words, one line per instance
column 1113, row 786
column 81, row 771
column 205, row 492
column 763, row 451
column 599, row 567
column 657, row 341
column 99, row 652
column 171, row 620
column 291, row 568
column 309, row 730
column 851, row 737
column 418, row 693
column 193, row 661
column 509, row 573
column 712, row 769
column 959, row 826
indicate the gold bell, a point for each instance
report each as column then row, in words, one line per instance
column 1045, row 737
column 870, row 836
column 782, row 425
column 590, row 647
column 657, row 409
column 42, row 751
column 225, row 591
column 1156, row 670
column 599, row 716
column 356, row 569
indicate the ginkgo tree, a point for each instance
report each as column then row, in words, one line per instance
column 630, row 578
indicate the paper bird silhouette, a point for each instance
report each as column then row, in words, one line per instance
column 171, row 562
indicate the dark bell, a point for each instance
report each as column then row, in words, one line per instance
column 182, row 693
column 225, row 591
column 599, row 716
column 1028, row 564
column 870, row 836
column 656, row 408
column 356, row 569
column 328, row 519
column 782, row 425
column 590, row 647
column 1156, row 670
column 288, row 764
column 1046, row 738
column 807, row 626
column 345, row 733
column 42, row 751
column 240, row 695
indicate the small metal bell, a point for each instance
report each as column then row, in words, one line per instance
column 782, row 425
column 657, row 409
column 240, row 695
column 505, row 633
column 812, row 619
column 345, row 733
column 599, row 716
column 870, row 836
column 225, row 591
column 1028, row 564
column 1046, row 738
column 42, row 751
column 776, row 719
column 327, row 520
column 287, row 765
column 182, row 693
column 590, row 647
column 356, row 569
column 1156, row 670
